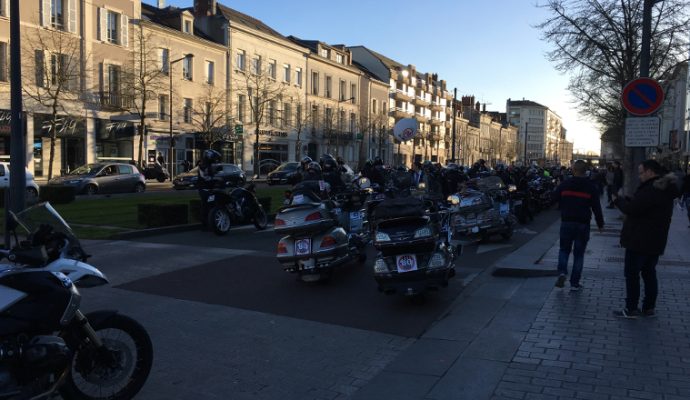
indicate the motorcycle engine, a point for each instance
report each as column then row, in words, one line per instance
column 31, row 367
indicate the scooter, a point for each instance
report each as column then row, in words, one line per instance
column 315, row 241
column 236, row 206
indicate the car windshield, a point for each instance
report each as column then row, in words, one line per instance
column 87, row 169
column 286, row 167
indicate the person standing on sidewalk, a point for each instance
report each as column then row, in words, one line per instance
column 578, row 197
column 617, row 180
column 644, row 235
column 686, row 194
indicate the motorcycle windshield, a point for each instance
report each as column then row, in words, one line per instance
column 44, row 214
column 490, row 183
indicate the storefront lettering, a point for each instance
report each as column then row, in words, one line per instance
column 273, row 133
column 5, row 117
column 63, row 126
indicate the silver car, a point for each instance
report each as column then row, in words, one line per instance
column 102, row 178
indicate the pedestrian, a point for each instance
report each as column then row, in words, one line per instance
column 609, row 184
column 644, row 235
column 618, row 180
column 686, row 194
column 578, row 197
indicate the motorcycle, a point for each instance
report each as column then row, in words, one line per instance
column 157, row 172
column 414, row 255
column 482, row 211
column 47, row 345
column 316, row 239
column 235, row 206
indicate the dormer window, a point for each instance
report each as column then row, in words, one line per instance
column 339, row 58
column 324, row 53
column 187, row 26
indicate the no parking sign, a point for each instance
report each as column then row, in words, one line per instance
column 642, row 96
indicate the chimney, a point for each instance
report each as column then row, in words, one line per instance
column 161, row 3
column 477, row 106
column 484, row 107
column 204, row 8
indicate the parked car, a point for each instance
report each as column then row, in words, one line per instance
column 226, row 175
column 268, row 165
column 283, row 173
column 101, row 178
column 31, row 186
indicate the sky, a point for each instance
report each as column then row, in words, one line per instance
column 486, row 48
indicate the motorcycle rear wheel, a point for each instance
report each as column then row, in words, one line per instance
column 131, row 362
column 219, row 219
column 260, row 219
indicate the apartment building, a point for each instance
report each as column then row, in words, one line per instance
column 413, row 94
column 540, row 130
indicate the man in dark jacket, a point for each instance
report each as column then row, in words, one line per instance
column 644, row 235
column 578, row 198
column 618, row 180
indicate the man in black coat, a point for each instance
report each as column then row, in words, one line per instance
column 618, row 179
column 644, row 235
column 578, row 197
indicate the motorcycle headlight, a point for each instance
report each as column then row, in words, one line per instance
column 512, row 188
column 380, row 266
column 453, row 199
column 437, row 261
column 422, row 232
column 382, row 237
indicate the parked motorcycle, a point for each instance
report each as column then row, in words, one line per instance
column 316, row 239
column 482, row 211
column 46, row 344
column 234, row 206
column 157, row 172
column 414, row 255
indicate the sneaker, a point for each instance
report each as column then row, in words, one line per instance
column 625, row 313
column 649, row 313
column 576, row 287
column 560, row 282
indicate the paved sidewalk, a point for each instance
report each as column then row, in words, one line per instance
column 521, row 338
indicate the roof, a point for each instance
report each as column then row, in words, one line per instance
column 385, row 60
column 237, row 17
column 312, row 45
column 168, row 17
column 524, row 103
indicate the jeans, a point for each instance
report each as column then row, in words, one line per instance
column 574, row 235
column 637, row 264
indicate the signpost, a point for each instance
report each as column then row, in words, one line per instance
column 642, row 131
column 642, row 96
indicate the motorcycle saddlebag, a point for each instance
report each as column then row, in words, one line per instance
column 303, row 219
column 397, row 208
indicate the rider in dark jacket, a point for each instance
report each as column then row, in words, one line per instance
column 205, row 180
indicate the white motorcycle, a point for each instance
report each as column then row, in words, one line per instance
column 47, row 345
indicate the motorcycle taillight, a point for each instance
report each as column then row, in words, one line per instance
column 279, row 222
column 282, row 248
column 328, row 241
column 315, row 216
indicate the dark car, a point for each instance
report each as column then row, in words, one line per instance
column 283, row 173
column 103, row 178
column 226, row 175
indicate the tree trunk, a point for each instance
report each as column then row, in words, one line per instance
column 256, row 151
column 142, row 132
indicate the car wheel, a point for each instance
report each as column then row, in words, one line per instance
column 161, row 178
column 90, row 190
column 139, row 188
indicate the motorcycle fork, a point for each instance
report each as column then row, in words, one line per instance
column 85, row 326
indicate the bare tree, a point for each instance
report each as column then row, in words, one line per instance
column 260, row 87
column 372, row 126
column 300, row 122
column 210, row 118
column 57, row 60
column 599, row 42
column 143, row 78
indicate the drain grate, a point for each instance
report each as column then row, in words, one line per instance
column 668, row 263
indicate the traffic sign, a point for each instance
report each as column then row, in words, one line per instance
column 239, row 129
column 642, row 131
column 642, row 96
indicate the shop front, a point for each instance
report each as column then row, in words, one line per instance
column 273, row 149
column 70, row 143
column 115, row 140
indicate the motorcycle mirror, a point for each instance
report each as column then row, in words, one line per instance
column 512, row 188
column 364, row 183
column 453, row 199
column 421, row 186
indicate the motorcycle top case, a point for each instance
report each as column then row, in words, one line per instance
column 399, row 207
column 303, row 219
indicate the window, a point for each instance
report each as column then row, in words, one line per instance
column 3, row 8
column 112, row 31
column 298, row 76
column 315, row 83
column 286, row 73
column 3, row 62
column 353, row 122
column 353, row 93
column 339, row 58
column 210, row 71
column 256, row 65
column 341, row 121
column 60, row 73
column 328, row 123
column 57, row 14
column 314, row 117
column 287, row 115
column 165, row 61
column 241, row 60
column 187, row 111
column 241, row 107
column 341, row 90
column 324, row 53
column 329, row 86
column 374, row 106
column 208, row 113
column 272, row 69
column 187, row 72
column 271, row 111
column 298, row 114
column 163, row 107
column 112, row 95
column 187, row 26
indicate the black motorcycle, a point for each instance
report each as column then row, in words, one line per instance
column 234, row 206
column 157, row 172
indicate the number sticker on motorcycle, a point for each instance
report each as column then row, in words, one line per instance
column 302, row 247
column 406, row 263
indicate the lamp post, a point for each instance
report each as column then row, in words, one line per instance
column 340, row 128
column 171, row 159
column 526, row 126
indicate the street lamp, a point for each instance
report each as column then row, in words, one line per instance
column 171, row 159
column 340, row 127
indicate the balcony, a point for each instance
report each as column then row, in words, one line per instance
column 401, row 96
column 114, row 100
column 447, row 124
column 399, row 113
column 421, row 118
column 418, row 101
column 436, row 122
column 436, row 107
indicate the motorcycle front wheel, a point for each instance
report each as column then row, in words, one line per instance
column 219, row 220
column 260, row 219
column 116, row 372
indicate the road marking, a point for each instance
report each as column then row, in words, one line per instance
column 525, row 231
column 485, row 248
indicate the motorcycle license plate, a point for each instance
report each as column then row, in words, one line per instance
column 406, row 263
column 475, row 229
column 302, row 247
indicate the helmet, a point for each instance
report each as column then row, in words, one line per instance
column 340, row 160
column 378, row 161
column 428, row 164
column 314, row 167
column 453, row 166
column 326, row 157
column 211, row 156
column 305, row 162
column 329, row 164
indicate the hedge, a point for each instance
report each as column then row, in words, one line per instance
column 157, row 215
column 57, row 194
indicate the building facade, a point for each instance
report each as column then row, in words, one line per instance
column 541, row 131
